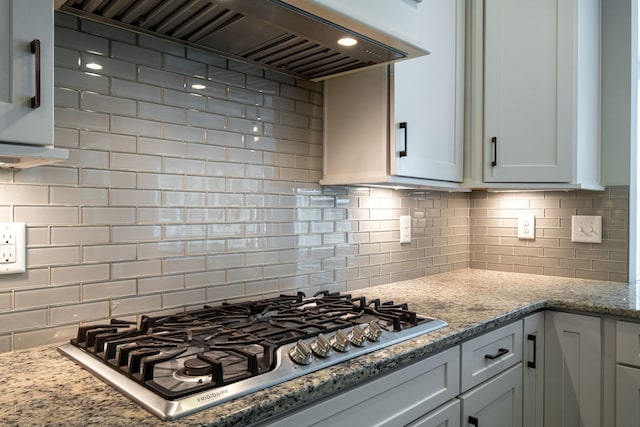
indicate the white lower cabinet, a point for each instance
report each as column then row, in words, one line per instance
column 491, row 378
column 448, row 415
column 627, row 396
column 533, row 367
column 627, row 374
column 395, row 399
column 573, row 370
column 551, row 369
column 496, row 402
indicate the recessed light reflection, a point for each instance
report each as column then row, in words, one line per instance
column 198, row 86
column 93, row 66
column 347, row 41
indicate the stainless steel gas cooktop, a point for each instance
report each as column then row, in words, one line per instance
column 179, row 364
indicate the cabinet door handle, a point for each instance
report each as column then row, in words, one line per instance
column 35, row 49
column 501, row 352
column 403, row 125
column 531, row 337
column 474, row 421
column 494, row 151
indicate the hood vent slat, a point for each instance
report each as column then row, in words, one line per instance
column 209, row 27
column 116, row 7
column 269, row 33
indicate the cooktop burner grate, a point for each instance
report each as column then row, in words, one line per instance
column 229, row 350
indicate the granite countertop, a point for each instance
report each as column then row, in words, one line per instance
column 42, row 387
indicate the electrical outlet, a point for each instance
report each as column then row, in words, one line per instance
column 527, row 226
column 586, row 229
column 12, row 247
column 405, row 228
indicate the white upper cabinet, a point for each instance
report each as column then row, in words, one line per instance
column 539, row 81
column 402, row 124
column 429, row 99
column 26, row 72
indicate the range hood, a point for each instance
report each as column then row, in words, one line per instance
column 270, row 33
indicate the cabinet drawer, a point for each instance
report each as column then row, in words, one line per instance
column 447, row 415
column 394, row 399
column 628, row 343
column 495, row 403
column 489, row 354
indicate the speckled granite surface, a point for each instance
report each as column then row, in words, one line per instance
column 42, row 387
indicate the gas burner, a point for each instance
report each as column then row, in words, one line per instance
column 199, row 358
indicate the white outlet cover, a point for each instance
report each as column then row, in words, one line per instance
column 586, row 229
column 527, row 226
column 13, row 239
column 405, row 228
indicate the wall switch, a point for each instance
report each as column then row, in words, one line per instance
column 405, row 228
column 12, row 247
column 527, row 226
column 586, row 229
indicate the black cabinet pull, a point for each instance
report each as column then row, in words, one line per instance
column 501, row 352
column 531, row 337
column 494, row 151
column 35, row 49
column 474, row 421
column 403, row 125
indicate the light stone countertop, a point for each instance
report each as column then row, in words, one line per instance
column 42, row 387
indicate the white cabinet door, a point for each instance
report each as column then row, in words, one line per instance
column 495, row 403
column 447, row 415
column 541, row 91
column 573, row 370
column 628, row 343
column 429, row 99
column 22, row 22
column 533, row 365
column 362, row 136
column 627, row 396
column 627, row 377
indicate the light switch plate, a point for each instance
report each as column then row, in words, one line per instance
column 527, row 226
column 12, row 247
column 586, row 229
column 405, row 228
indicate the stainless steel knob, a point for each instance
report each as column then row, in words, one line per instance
column 357, row 336
column 340, row 341
column 372, row 331
column 301, row 353
column 321, row 346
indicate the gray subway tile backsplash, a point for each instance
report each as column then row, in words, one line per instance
column 175, row 196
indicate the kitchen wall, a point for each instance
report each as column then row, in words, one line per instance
column 174, row 196
column 494, row 244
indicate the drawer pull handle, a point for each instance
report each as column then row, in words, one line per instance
column 531, row 337
column 501, row 352
column 474, row 421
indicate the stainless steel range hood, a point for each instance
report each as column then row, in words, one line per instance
column 270, row 33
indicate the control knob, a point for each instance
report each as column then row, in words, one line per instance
column 301, row 353
column 321, row 346
column 340, row 341
column 357, row 336
column 372, row 331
